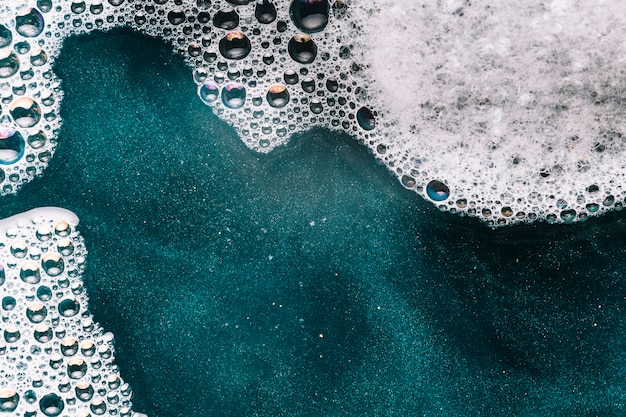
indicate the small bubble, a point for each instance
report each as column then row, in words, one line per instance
column 51, row 405
column 226, row 19
column 302, row 49
column 52, row 264
column 265, row 12
column 43, row 333
column 366, row 119
column 437, row 191
column 9, row 400
column 76, row 368
column 568, row 216
column 235, row 45
column 309, row 16
column 84, row 391
column 233, row 95
column 29, row 272
column 69, row 307
column 6, row 36
column 36, row 312
column 176, row 16
column 11, row 334
column 277, row 96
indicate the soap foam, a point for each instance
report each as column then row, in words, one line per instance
column 508, row 112
column 517, row 107
column 54, row 359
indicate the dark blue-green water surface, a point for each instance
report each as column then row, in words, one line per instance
column 308, row 282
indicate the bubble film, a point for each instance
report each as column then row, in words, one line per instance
column 54, row 360
column 510, row 113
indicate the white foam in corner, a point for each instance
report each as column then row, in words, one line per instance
column 54, row 360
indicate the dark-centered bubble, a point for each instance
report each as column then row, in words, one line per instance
column 8, row 303
column 208, row 92
column 235, row 45
column 316, row 106
column 69, row 307
column 308, row 84
column 25, row 111
column 366, row 118
column 9, row 63
column 2, row 274
column 29, row 22
column 238, row 2
column 12, row 334
column 78, row 6
column 233, row 95
column 22, row 47
column 6, row 36
column 11, row 146
column 44, row 293
column 291, row 77
column 76, row 368
column 51, row 405
column 302, row 49
column 568, row 216
column 437, row 191
column 309, row 16
column 176, row 16
column 69, row 346
column 278, row 96
column 38, row 57
column 226, row 19
column 29, row 272
column 9, row 399
column 98, row 406
column 37, row 139
column 43, row 333
column 36, row 312
column 265, row 12
column 84, row 391
column 52, row 264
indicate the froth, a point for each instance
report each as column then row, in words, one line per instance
column 54, row 360
column 517, row 107
column 508, row 112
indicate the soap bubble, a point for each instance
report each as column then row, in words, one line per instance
column 9, row 63
column 302, row 49
column 11, row 146
column 235, row 45
column 309, row 16
column 29, row 22
column 233, row 95
column 438, row 191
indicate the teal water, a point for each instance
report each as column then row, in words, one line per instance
column 309, row 282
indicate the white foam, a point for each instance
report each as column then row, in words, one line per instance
column 53, row 358
column 510, row 112
column 491, row 97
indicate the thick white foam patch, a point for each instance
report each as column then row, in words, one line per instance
column 512, row 104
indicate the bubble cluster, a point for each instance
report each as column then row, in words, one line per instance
column 54, row 360
column 510, row 113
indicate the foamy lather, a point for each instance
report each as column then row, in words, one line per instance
column 507, row 112
column 54, row 360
